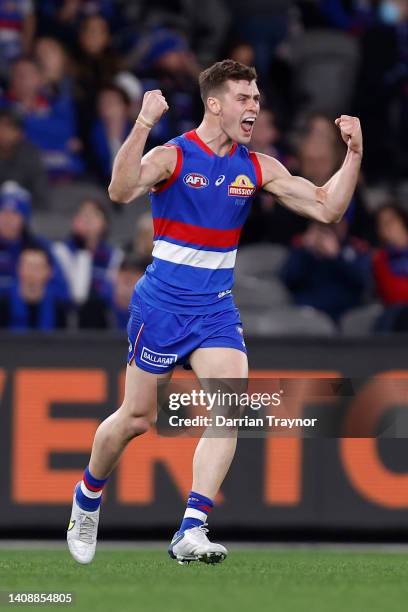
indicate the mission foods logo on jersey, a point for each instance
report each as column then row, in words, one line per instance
column 241, row 187
column 196, row 180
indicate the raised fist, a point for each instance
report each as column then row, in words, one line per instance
column 350, row 129
column 154, row 106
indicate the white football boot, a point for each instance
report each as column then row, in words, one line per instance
column 194, row 545
column 82, row 532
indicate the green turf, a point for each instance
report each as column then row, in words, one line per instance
column 250, row 580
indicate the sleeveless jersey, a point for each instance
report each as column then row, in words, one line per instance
column 198, row 214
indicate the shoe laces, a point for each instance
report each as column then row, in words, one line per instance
column 202, row 531
column 87, row 529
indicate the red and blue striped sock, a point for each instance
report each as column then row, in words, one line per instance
column 198, row 507
column 88, row 493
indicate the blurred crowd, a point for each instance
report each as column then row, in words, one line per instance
column 72, row 78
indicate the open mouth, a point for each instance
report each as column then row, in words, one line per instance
column 247, row 124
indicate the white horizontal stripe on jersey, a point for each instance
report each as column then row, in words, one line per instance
column 212, row 260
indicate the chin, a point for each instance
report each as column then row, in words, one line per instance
column 242, row 139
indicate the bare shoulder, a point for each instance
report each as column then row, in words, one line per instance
column 163, row 155
column 272, row 169
column 159, row 164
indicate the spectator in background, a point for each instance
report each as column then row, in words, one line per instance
column 130, row 270
column 239, row 51
column 142, row 242
column 320, row 153
column 327, row 271
column 264, row 27
column 268, row 221
column 97, row 64
column 33, row 302
column 352, row 16
column 17, row 27
column 204, row 29
column 90, row 264
column 56, row 73
column 16, row 235
column 382, row 93
column 20, row 161
column 133, row 88
column 319, row 158
column 25, row 88
column 318, row 125
column 170, row 65
column 110, row 129
column 390, row 262
column 54, row 65
column 61, row 18
column 98, row 60
column 390, row 268
column 266, row 136
column 51, row 129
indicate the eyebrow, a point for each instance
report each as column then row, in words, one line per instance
column 242, row 95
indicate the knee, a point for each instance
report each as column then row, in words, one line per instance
column 136, row 425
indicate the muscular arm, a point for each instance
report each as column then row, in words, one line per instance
column 134, row 174
column 327, row 203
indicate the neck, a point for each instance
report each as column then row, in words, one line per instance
column 401, row 245
column 214, row 137
column 26, row 99
column 32, row 293
column 92, row 242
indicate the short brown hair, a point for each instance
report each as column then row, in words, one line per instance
column 218, row 74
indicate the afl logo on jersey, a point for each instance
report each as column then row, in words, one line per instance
column 195, row 180
column 241, row 187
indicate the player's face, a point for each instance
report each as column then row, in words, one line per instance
column 239, row 110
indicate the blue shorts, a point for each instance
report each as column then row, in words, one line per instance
column 160, row 340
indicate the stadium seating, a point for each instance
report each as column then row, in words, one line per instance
column 67, row 197
column 288, row 321
column 254, row 295
column 260, row 260
column 64, row 201
column 360, row 321
column 329, row 57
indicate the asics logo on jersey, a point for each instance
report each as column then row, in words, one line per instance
column 220, row 180
column 224, row 293
column 196, row 180
column 242, row 186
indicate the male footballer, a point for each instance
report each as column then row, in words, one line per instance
column 200, row 185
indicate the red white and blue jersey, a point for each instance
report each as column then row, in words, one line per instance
column 198, row 215
column 12, row 16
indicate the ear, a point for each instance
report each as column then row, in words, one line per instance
column 214, row 105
